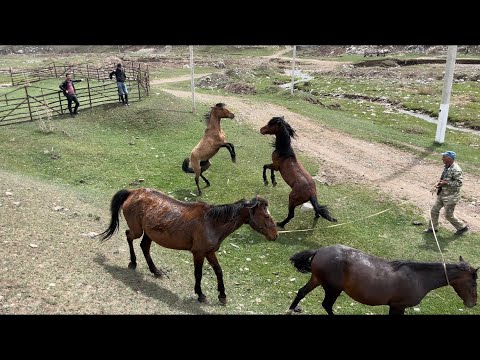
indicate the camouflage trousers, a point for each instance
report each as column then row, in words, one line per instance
column 449, row 202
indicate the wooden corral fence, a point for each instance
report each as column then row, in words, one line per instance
column 30, row 102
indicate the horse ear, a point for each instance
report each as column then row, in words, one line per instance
column 252, row 203
column 461, row 259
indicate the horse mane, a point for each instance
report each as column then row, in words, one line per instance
column 397, row 264
column 226, row 211
column 229, row 212
column 283, row 140
column 206, row 116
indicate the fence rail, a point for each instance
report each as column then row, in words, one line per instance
column 29, row 102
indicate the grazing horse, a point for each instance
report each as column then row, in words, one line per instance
column 212, row 141
column 292, row 171
column 197, row 227
column 374, row 281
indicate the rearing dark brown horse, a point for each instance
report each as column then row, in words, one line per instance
column 196, row 226
column 292, row 171
column 212, row 140
column 374, row 281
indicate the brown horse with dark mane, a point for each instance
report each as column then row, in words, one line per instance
column 212, row 140
column 292, row 171
column 197, row 227
column 374, row 281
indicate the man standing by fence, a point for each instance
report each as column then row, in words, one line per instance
column 122, row 88
column 69, row 91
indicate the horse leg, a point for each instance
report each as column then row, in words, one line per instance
column 396, row 310
column 272, row 174
column 145, row 245
column 331, row 295
column 291, row 214
column 204, row 165
column 198, row 265
column 198, row 186
column 309, row 286
column 213, row 261
column 231, row 150
column 133, row 258
column 272, row 177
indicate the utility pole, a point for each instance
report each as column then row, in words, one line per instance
column 192, row 78
column 447, row 89
column 293, row 68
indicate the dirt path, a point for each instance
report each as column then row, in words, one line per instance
column 175, row 79
column 345, row 159
column 287, row 49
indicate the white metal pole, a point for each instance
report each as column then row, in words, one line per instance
column 293, row 68
column 447, row 89
column 192, row 78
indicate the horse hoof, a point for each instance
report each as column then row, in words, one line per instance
column 289, row 312
column 223, row 300
column 132, row 265
column 280, row 225
column 158, row 274
column 265, row 183
column 202, row 299
column 274, row 183
column 297, row 309
column 234, row 159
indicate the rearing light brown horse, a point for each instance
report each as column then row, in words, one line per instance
column 292, row 171
column 213, row 139
column 197, row 227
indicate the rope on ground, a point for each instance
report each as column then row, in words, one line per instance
column 345, row 223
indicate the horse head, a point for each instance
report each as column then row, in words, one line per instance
column 276, row 125
column 465, row 284
column 220, row 111
column 260, row 219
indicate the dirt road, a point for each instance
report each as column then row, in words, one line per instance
column 344, row 159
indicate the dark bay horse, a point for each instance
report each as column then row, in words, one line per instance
column 213, row 139
column 292, row 171
column 374, row 281
column 197, row 227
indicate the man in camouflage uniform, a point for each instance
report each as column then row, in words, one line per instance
column 448, row 194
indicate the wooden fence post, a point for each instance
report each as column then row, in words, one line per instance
column 88, row 87
column 60, row 101
column 147, row 79
column 11, row 75
column 138, row 80
column 28, row 102
column 55, row 69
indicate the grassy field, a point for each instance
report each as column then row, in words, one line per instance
column 107, row 148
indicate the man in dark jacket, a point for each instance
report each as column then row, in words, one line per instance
column 122, row 88
column 69, row 91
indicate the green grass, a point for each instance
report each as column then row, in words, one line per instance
column 105, row 149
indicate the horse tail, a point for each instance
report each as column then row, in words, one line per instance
column 303, row 260
column 185, row 166
column 117, row 202
column 321, row 210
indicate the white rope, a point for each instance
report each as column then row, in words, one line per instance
column 438, row 245
column 348, row 222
